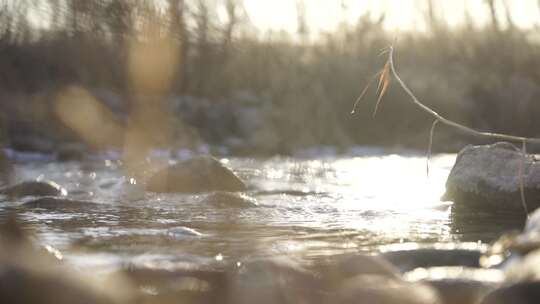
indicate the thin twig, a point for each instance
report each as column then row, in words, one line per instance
column 449, row 122
column 521, row 173
column 430, row 145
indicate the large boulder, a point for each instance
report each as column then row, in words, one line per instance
column 488, row 177
column 195, row 175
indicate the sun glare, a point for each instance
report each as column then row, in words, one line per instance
column 399, row 15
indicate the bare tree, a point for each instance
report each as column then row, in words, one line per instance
column 494, row 18
column 433, row 21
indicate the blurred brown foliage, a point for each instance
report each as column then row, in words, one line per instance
column 486, row 76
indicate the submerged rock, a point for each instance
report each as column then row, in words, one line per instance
column 458, row 284
column 384, row 290
column 229, row 199
column 55, row 203
column 407, row 259
column 6, row 168
column 70, row 152
column 520, row 293
column 273, row 280
column 338, row 269
column 199, row 174
column 34, row 188
column 28, row 275
column 487, row 177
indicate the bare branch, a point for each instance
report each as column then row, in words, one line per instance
column 452, row 123
column 465, row 129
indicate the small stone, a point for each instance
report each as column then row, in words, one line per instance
column 34, row 188
column 59, row 204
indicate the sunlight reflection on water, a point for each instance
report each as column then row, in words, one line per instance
column 309, row 207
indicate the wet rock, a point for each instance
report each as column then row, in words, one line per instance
column 524, row 269
column 70, row 152
column 407, row 259
column 177, row 283
column 338, row 269
column 28, row 275
column 487, row 177
column 458, row 284
column 6, row 169
column 520, row 293
column 522, row 284
column 199, row 174
column 384, row 290
column 54, row 203
column 533, row 223
column 529, row 239
column 34, row 188
column 32, row 143
column 229, row 199
column 270, row 281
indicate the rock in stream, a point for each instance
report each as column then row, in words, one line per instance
column 195, row 175
column 33, row 188
column 488, row 177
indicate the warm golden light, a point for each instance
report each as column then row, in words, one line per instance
column 399, row 15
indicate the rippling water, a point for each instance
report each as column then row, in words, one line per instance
column 309, row 208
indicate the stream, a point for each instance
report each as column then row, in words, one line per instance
column 307, row 207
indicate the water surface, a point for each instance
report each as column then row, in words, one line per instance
column 308, row 207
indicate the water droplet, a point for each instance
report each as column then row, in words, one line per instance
column 219, row 257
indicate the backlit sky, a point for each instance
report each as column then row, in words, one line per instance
column 400, row 14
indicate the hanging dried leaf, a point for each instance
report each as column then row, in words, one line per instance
column 382, row 87
column 364, row 91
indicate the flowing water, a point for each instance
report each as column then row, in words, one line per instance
column 309, row 208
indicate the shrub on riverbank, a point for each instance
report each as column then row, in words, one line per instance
column 300, row 92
